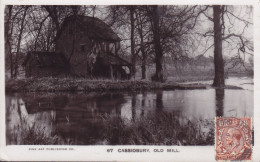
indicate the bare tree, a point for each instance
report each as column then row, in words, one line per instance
column 144, row 38
column 8, row 55
column 157, row 44
column 132, row 21
column 121, row 15
column 226, row 35
column 175, row 24
column 20, row 39
column 219, row 80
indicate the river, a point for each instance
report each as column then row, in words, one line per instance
column 78, row 118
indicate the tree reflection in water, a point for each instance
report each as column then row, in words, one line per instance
column 142, row 118
column 133, row 105
column 220, row 93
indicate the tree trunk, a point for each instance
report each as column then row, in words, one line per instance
column 19, row 42
column 218, row 58
column 140, row 30
column 111, row 73
column 139, row 20
column 157, row 46
column 8, row 38
column 144, row 67
column 133, row 41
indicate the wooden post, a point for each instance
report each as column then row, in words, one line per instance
column 118, row 74
column 130, row 72
column 111, row 72
column 107, row 47
column 115, row 49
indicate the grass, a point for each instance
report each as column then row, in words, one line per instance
column 70, row 84
column 158, row 129
column 190, row 78
column 162, row 128
column 35, row 134
column 49, row 84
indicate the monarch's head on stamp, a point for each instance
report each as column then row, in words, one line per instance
column 233, row 138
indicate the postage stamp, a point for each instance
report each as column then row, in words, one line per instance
column 233, row 138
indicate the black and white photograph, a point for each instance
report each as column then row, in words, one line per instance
column 125, row 75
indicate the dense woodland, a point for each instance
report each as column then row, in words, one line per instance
column 160, row 37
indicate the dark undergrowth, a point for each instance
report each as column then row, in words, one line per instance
column 154, row 129
column 35, row 134
column 158, row 129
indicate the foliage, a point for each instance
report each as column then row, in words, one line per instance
column 162, row 128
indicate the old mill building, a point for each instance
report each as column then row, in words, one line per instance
column 85, row 46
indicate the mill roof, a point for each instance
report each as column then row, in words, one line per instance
column 115, row 60
column 92, row 26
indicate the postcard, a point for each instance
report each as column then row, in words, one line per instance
column 130, row 81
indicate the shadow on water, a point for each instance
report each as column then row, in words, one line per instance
column 141, row 118
column 220, row 92
column 159, row 106
column 134, row 105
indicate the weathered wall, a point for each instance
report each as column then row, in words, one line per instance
column 45, row 72
column 71, row 42
column 32, row 69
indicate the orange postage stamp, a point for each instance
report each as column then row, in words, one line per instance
column 233, row 138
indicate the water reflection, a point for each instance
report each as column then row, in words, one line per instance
column 220, row 92
column 159, row 101
column 134, row 106
column 79, row 118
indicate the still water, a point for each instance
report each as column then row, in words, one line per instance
column 78, row 118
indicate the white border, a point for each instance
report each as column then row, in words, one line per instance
column 98, row 153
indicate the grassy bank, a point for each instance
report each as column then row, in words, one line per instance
column 81, row 84
column 26, row 134
column 34, row 134
column 162, row 128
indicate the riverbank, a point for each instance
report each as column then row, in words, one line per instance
column 154, row 129
column 86, row 85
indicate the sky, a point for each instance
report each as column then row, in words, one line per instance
column 233, row 25
column 238, row 20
